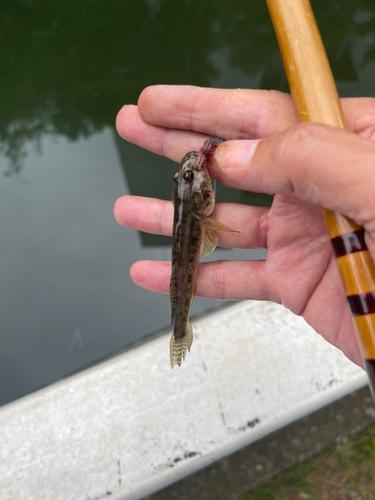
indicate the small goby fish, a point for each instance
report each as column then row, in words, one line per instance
column 194, row 235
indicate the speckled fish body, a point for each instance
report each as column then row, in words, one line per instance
column 194, row 236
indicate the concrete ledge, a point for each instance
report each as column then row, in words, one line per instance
column 130, row 425
column 244, row 470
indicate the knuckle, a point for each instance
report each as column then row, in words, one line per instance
column 297, row 140
column 295, row 152
column 218, row 280
column 279, row 101
column 298, row 149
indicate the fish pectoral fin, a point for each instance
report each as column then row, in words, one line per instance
column 210, row 241
column 195, row 291
column 217, row 226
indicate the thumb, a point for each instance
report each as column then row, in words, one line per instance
column 320, row 164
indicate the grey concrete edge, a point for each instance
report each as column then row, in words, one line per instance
column 130, row 426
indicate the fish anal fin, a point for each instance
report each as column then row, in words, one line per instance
column 217, row 226
column 210, row 242
column 178, row 347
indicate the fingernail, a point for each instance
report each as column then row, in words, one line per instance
column 235, row 154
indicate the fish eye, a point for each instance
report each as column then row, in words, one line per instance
column 188, row 176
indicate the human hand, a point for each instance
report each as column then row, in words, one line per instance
column 306, row 166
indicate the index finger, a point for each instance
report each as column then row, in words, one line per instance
column 225, row 113
column 171, row 120
column 238, row 113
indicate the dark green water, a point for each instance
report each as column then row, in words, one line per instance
column 66, row 69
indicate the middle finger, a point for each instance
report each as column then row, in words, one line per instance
column 156, row 217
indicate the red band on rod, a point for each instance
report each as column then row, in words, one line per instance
column 363, row 303
column 346, row 244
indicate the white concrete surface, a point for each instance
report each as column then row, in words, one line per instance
column 131, row 425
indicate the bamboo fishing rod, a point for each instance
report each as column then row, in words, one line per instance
column 316, row 99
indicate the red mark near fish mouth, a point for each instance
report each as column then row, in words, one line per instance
column 206, row 152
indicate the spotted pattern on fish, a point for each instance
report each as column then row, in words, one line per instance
column 193, row 200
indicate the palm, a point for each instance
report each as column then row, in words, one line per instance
column 301, row 271
column 299, row 251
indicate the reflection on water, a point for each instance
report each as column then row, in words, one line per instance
column 66, row 69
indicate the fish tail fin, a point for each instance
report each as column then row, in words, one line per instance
column 178, row 347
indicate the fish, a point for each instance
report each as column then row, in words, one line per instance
column 194, row 236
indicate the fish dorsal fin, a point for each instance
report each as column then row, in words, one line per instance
column 216, row 225
column 210, row 241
